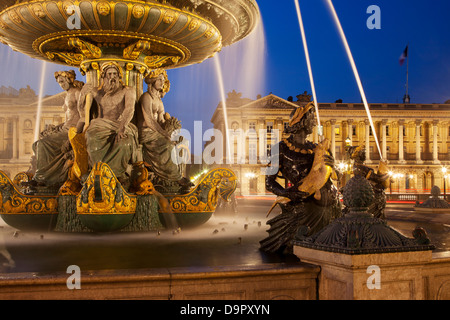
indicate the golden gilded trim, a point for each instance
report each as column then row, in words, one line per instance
column 133, row 51
column 13, row 201
column 88, row 50
column 70, row 58
column 204, row 197
column 102, row 193
column 40, row 43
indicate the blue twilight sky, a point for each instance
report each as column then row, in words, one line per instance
column 272, row 58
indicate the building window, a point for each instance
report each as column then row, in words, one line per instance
column 387, row 131
column 269, row 127
column 370, row 131
column 353, row 130
column 337, row 129
column 268, row 149
column 404, row 131
column 285, row 125
column 252, row 126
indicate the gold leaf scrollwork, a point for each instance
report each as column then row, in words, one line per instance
column 133, row 51
column 154, row 62
column 205, row 195
column 87, row 49
column 103, row 194
column 14, row 202
column 73, row 59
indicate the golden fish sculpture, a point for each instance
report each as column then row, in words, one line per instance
column 320, row 172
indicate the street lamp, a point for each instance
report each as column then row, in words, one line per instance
column 444, row 171
column 390, row 173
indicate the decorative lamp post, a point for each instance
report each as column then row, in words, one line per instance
column 444, row 171
column 390, row 173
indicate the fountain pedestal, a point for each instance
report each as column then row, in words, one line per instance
column 351, row 277
column 361, row 257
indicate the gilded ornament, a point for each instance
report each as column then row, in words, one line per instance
column 102, row 193
column 169, row 16
column 194, row 24
column 14, row 16
column 138, row 11
column 133, row 51
column 204, row 197
column 103, row 8
column 88, row 50
column 38, row 10
column 14, row 202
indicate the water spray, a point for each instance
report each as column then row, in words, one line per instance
column 355, row 71
column 308, row 62
column 224, row 105
column 39, row 107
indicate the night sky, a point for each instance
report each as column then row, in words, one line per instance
column 275, row 61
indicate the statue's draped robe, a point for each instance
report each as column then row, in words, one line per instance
column 102, row 147
column 51, row 168
column 157, row 152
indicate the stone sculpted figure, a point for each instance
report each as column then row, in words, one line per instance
column 52, row 149
column 309, row 200
column 155, row 130
column 110, row 137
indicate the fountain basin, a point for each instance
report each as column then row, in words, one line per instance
column 170, row 34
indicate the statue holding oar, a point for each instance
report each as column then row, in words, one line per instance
column 310, row 200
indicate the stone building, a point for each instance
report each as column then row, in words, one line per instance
column 18, row 116
column 413, row 138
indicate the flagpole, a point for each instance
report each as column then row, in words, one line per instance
column 407, row 100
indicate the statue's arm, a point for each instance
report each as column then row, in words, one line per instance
column 85, row 99
column 128, row 112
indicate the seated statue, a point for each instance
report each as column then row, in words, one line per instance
column 309, row 199
column 52, row 150
column 155, row 131
column 110, row 137
column 379, row 180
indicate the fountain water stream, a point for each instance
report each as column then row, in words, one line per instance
column 355, row 71
column 41, row 94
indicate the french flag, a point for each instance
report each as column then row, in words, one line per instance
column 403, row 56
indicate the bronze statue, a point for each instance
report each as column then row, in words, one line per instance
column 309, row 199
column 110, row 137
column 156, row 128
column 52, row 150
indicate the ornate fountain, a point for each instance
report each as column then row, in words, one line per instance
column 138, row 38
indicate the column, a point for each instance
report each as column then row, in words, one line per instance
column 333, row 137
column 316, row 134
column 418, row 159
column 367, row 123
column 383, row 139
column 15, row 151
column 435, row 142
column 350, row 130
column 401, row 156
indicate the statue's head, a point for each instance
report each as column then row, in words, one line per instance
column 66, row 80
column 357, row 153
column 302, row 119
column 111, row 74
column 158, row 79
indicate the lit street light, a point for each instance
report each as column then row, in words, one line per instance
column 444, row 171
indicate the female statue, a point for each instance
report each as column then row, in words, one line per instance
column 155, row 129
